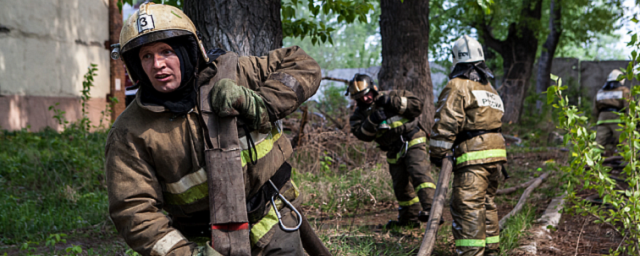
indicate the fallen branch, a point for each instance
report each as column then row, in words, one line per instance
column 510, row 190
column 336, row 79
column 523, row 199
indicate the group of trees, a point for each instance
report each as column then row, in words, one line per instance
column 516, row 34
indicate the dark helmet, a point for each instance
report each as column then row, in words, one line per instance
column 360, row 85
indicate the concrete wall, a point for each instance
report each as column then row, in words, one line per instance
column 593, row 74
column 45, row 49
column 589, row 75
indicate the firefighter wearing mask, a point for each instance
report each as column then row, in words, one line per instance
column 468, row 122
column 391, row 119
column 156, row 160
column 610, row 100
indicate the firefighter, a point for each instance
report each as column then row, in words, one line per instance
column 155, row 159
column 610, row 100
column 391, row 119
column 468, row 122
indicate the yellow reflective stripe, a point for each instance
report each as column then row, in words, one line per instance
column 262, row 148
column 263, row 226
column 296, row 192
column 412, row 143
column 417, row 141
column 191, row 195
column 425, row 185
column 188, row 181
column 471, row 242
column 470, row 156
column 493, row 239
column 395, row 122
column 413, row 201
column 610, row 121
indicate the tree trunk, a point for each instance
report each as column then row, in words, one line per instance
column 246, row 27
column 518, row 53
column 404, row 27
column 548, row 49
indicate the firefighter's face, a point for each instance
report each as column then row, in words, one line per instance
column 367, row 98
column 162, row 66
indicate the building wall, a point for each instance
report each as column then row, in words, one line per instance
column 46, row 47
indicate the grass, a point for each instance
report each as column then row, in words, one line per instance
column 50, row 183
column 515, row 229
column 339, row 193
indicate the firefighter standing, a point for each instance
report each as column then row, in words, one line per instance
column 155, row 159
column 610, row 100
column 468, row 121
column 391, row 119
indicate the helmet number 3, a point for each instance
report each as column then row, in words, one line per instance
column 145, row 22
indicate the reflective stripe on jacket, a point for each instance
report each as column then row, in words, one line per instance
column 466, row 105
column 154, row 159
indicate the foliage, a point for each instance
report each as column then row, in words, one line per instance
column 332, row 100
column 50, row 181
column 85, row 122
column 622, row 198
column 299, row 24
column 58, row 115
column 583, row 21
column 355, row 45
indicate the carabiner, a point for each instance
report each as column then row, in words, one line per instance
column 288, row 204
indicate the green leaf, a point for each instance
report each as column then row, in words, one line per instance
column 634, row 38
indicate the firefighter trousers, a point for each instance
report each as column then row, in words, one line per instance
column 475, row 216
column 607, row 134
column 411, row 175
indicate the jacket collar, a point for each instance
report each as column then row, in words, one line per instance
column 148, row 106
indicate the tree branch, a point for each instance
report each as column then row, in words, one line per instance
column 336, row 79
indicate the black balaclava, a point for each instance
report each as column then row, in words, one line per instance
column 611, row 85
column 183, row 99
column 477, row 71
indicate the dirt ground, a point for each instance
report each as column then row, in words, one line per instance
column 590, row 238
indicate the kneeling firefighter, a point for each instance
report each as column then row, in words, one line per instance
column 391, row 119
column 610, row 100
column 468, row 121
column 202, row 141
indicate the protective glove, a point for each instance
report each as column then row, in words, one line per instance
column 229, row 99
column 383, row 100
column 436, row 161
column 378, row 116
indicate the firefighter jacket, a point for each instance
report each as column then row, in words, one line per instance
column 608, row 102
column 402, row 117
column 155, row 159
column 466, row 106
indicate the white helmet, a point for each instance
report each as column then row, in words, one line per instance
column 467, row 50
column 613, row 76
